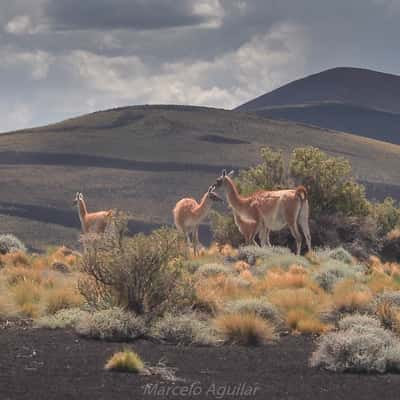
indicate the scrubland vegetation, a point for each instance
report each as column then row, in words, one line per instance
column 122, row 288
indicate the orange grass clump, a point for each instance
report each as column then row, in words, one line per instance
column 246, row 329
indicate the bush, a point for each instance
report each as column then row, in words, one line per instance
column 358, row 320
column 387, row 308
column 125, row 361
column 184, row 329
column 246, row 329
column 207, row 270
column 339, row 254
column 10, row 244
column 387, row 215
column 61, row 298
column 332, row 271
column 283, row 261
column 264, row 253
column 369, row 349
column 329, row 181
column 142, row 273
column 391, row 246
column 258, row 306
column 225, row 230
column 66, row 318
column 112, row 324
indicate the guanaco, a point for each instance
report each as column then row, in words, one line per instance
column 272, row 210
column 188, row 215
column 91, row 222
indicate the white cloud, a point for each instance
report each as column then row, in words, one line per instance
column 259, row 65
column 34, row 63
column 22, row 24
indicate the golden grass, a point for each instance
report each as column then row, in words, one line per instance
column 301, row 321
column 246, row 329
column 15, row 259
column 63, row 297
column 241, row 266
column 394, row 234
column 296, row 277
column 125, row 361
column 351, row 296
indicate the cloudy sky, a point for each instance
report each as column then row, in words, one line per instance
column 61, row 58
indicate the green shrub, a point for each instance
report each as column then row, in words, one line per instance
column 143, row 273
column 225, row 230
column 66, row 318
column 10, row 244
column 184, row 329
column 387, row 215
column 112, row 324
column 329, row 181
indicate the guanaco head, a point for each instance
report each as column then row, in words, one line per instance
column 222, row 179
column 78, row 197
column 212, row 195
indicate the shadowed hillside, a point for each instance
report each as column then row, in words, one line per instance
column 143, row 159
column 352, row 100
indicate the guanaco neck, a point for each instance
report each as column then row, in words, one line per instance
column 203, row 208
column 233, row 197
column 82, row 211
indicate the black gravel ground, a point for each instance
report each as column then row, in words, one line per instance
column 42, row 364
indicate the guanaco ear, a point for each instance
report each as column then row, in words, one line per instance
column 231, row 173
column 224, row 172
column 211, row 188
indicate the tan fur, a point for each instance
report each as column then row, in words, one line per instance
column 92, row 222
column 266, row 211
column 188, row 214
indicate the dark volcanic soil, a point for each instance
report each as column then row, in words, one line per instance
column 41, row 364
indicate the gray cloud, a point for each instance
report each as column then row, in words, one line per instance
column 66, row 57
column 124, row 14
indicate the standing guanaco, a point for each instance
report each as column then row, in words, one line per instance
column 273, row 209
column 188, row 215
column 91, row 222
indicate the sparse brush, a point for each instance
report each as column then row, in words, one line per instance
column 245, row 329
column 339, row 254
column 61, row 298
column 263, row 253
column 358, row 349
column 332, row 271
column 10, row 244
column 15, row 275
column 184, row 329
column 207, row 270
column 360, row 320
column 387, row 308
column 65, row 318
column 284, row 261
column 16, row 259
column 259, row 306
column 125, row 361
column 112, row 324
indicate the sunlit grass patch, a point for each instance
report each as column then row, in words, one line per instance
column 125, row 361
column 62, row 297
column 245, row 329
column 65, row 318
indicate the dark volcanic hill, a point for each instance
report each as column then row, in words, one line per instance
column 143, row 159
column 353, row 100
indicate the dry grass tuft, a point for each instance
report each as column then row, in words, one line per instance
column 246, row 329
column 302, row 322
column 61, row 298
column 125, row 361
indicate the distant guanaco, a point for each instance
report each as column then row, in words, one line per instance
column 270, row 210
column 188, row 215
column 91, row 222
